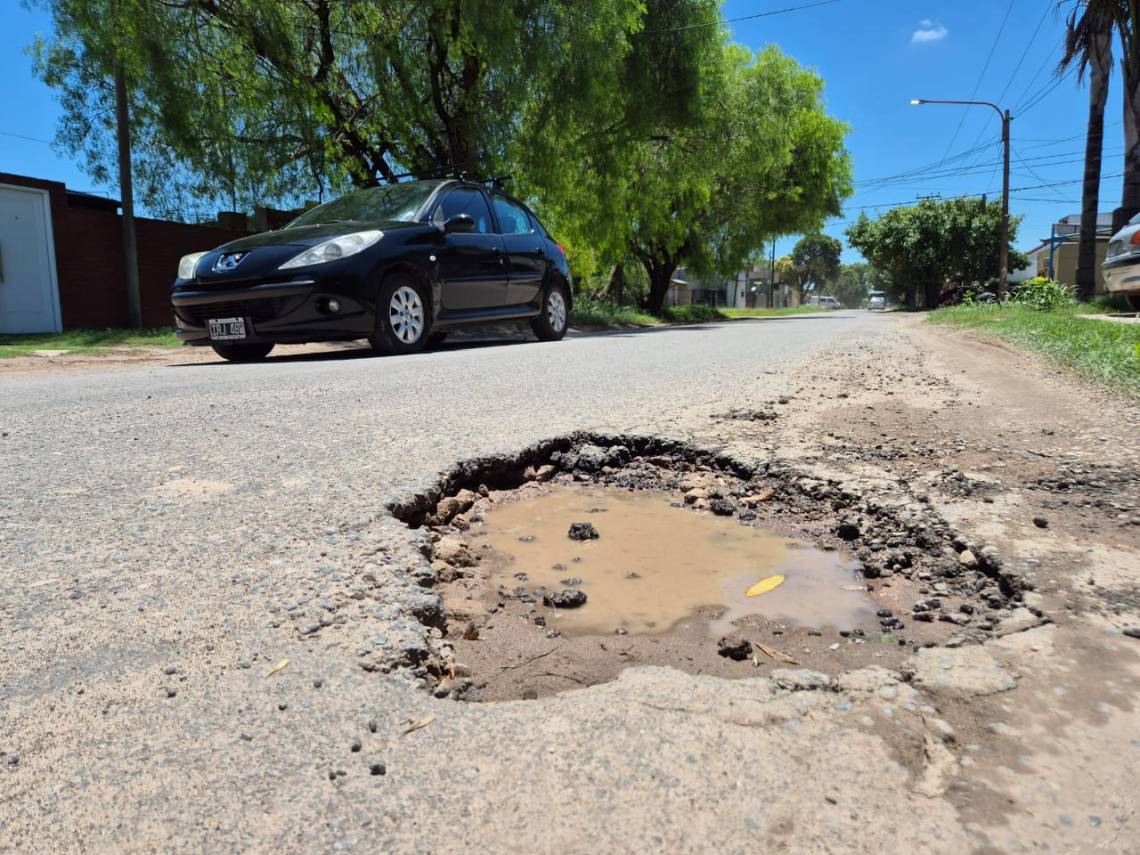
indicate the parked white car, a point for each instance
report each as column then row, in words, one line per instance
column 829, row 303
column 1122, row 263
column 877, row 302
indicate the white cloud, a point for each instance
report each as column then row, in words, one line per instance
column 929, row 31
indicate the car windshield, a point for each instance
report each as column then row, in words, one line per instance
column 391, row 202
column 1134, row 221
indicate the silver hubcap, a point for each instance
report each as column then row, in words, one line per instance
column 556, row 310
column 406, row 314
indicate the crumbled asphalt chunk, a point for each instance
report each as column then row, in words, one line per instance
column 572, row 581
column 582, row 531
column 1041, row 522
column 378, row 769
column 171, row 692
column 373, row 725
column 737, row 649
column 355, row 746
column 722, row 507
column 1133, row 632
column 570, row 599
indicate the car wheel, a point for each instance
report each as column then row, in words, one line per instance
column 242, row 352
column 1134, row 301
column 436, row 338
column 401, row 316
column 551, row 323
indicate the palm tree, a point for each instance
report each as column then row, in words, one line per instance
column 1088, row 44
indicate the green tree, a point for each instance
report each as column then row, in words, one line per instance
column 763, row 159
column 254, row 100
column 1088, row 46
column 921, row 246
column 816, row 257
column 788, row 274
column 854, row 283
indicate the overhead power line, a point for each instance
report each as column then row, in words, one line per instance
column 746, row 17
column 981, row 76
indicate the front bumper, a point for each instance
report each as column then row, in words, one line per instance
column 295, row 310
column 1122, row 275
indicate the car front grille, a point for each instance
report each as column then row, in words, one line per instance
column 263, row 309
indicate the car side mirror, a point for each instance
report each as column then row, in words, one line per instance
column 459, row 224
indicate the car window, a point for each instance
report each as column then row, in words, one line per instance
column 513, row 219
column 467, row 200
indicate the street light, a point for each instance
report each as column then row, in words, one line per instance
column 1003, row 282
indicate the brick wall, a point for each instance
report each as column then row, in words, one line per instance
column 89, row 256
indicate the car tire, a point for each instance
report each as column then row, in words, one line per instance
column 1133, row 301
column 554, row 318
column 242, row 352
column 403, row 322
column 436, row 339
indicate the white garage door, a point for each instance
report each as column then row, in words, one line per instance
column 29, row 298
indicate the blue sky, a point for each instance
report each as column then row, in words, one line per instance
column 875, row 55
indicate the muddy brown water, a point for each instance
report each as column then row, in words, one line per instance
column 655, row 564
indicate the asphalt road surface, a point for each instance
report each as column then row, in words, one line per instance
column 165, row 531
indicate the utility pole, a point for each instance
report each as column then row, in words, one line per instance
column 126, row 192
column 1003, row 250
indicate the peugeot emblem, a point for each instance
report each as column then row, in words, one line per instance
column 228, row 261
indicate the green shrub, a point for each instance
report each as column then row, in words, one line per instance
column 1045, row 295
column 696, row 313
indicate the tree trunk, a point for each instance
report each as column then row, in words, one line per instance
column 1100, row 63
column 660, row 277
column 616, row 289
column 932, row 292
column 126, row 199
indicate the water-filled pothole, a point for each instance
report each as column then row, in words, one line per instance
column 654, row 564
column 507, row 637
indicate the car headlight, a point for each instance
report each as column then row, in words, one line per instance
column 187, row 265
column 334, row 249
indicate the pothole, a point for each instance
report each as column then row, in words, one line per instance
column 682, row 535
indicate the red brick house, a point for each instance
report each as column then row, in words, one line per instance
column 61, row 258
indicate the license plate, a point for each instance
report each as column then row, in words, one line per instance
column 227, row 329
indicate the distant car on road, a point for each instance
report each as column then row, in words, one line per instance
column 1122, row 263
column 877, row 301
column 829, row 303
column 400, row 265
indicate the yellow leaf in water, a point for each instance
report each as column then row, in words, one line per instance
column 764, row 586
column 280, row 666
column 423, row 722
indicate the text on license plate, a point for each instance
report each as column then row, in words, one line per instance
column 227, row 328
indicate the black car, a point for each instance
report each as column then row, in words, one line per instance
column 400, row 265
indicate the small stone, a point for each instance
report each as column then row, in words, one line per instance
column 373, row 725
column 527, row 538
column 318, row 683
column 530, row 695
column 378, row 769
column 967, row 559
column 572, row 582
column 1041, row 522
column 171, row 692
column 733, row 648
column 632, row 575
column 169, row 670
column 722, row 507
column 283, row 706
column 568, row 599
column 582, row 531
column 1132, row 632
column 355, row 746
column 848, row 529
column 245, row 663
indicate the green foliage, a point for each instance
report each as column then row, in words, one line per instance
column 1100, row 350
column 1044, row 294
column 250, row 100
column 923, row 245
column 855, row 282
column 816, row 260
column 697, row 313
column 592, row 312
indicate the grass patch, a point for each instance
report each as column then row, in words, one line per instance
column 773, row 313
column 1100, row 350
column 695, row 314
column 82, row 341
column 588, row 312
